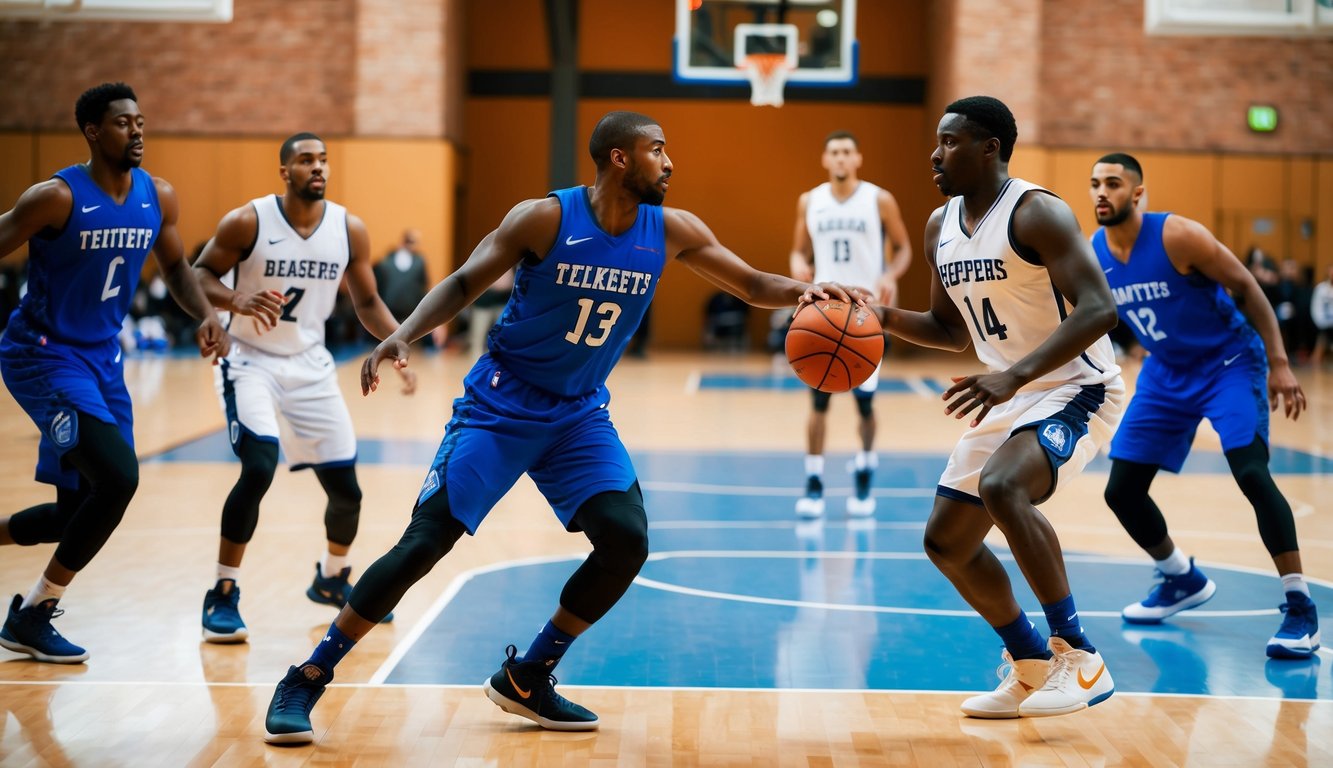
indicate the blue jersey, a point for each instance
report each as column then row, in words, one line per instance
column 572, row 313
column 81, row 281
column 1180, row 319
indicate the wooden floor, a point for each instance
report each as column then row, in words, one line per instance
column 153, row 694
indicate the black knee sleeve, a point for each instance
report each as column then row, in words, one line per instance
column 820, row 400
column 343, row 512
column 1277, row 526
column 865, row 403
column 1127, row 496
column 617, row 526
column 240, row 512
column 110, row 473
column 429, row 537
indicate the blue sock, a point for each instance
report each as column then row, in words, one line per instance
column 1022, row 640
column 1063, row 618
column 549, row 645
column 331, row 649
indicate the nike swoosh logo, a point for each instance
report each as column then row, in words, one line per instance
column 1087, row 684
column 1108, row 270
column 571, row 241
column 90, row 208
column 145, row 205
column 1230, row 360
column 946, row 242
column 275, row 241
column 527, row 694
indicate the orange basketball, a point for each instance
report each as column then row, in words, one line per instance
column 833, row 346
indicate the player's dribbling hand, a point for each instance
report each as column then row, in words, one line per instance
column 985, row 392
column 1282, row 383
column 212, row 339
column 389, row 349
column 824, row 291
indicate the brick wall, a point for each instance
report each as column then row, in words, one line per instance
column 1105, row 83
column 400, row 67
column 991, row 50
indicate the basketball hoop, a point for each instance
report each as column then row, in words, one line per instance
column 768, row 75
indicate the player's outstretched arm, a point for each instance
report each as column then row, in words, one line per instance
column 691, row 241
column 232, row 242
column 528, row 231
column 211, row 337
column 1190, row 246
column 941, row 326
column 42, row 206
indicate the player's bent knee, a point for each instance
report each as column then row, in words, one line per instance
column 617, row 526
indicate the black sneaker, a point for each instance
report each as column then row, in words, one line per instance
column 333, row 590
column 288, row 719
column 811, row 505
column 862, row 504
column 527, row 689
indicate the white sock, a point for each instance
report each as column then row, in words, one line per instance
column 43, row 590
column 1295, row 582
column 867, row 460
column 229, row 572
column 814, row 465
column 1175, row 564
column 332, row 565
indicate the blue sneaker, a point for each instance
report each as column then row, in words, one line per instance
column 333, row 590
column 1298, row 637
column 28, row 630
column 527, row 689
column 288, row 718
column 222, row 615
column 1170, row 596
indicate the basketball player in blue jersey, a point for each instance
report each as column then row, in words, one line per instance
column 1187, row 299
column 846, row 231
column 89, row 230
column 284, row 257
column 588, row 261
column 1014, row 278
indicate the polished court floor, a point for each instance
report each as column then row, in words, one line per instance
column 749, row 638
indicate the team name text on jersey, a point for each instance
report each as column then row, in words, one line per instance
column 972, row 271
column 115, row 237
column 610, row 279
column 310, row 268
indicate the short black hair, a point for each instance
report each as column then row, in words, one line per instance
column 92, row 105
column 988, row 118
column 1120, row 158
column 616, row 130
column 842, row 135
column 289, row 146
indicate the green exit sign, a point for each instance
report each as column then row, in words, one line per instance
column 1262, row 118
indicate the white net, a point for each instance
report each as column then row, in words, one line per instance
column 768, row 77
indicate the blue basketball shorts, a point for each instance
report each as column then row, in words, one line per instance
column 1168, row 404
column 54, row 383
column 502, row 427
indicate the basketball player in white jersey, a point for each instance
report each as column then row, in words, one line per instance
column 846, row 231
column 283, row 259
column 1015, row 278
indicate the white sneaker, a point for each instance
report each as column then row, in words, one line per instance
column 1078, row 680
column 1018, row 679
column 861, row 508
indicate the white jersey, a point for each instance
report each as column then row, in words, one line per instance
column 1009, row 302
column 305, row 270
column 847, row 235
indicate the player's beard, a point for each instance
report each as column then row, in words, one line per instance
column 1118, row 216
column 310, row 194
column 649, row 193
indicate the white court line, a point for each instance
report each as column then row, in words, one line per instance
column 918, row 385
column 403, row 646
column 692, row 383
column 768, row 490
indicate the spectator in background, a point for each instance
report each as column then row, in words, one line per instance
column 1291, row 302
column 1321, row 313
column 401, row 276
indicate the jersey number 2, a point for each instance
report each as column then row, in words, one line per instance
column 289, row 309
column 607, row 311
column 110, row 291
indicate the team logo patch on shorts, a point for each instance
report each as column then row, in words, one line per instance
column 64, row 428
column 1057, row 438
column 431, row 485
